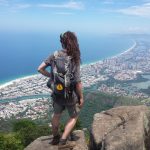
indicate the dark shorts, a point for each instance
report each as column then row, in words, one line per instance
column 73, row 110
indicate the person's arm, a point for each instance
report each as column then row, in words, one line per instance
column 42, row 69
column 80, row 93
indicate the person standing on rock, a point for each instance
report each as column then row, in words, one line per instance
column 65, row 84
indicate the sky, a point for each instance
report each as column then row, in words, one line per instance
column 87, row 16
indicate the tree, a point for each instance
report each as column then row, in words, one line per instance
column 28, row 131
column 23, row 123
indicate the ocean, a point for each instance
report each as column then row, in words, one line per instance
column 22, row 53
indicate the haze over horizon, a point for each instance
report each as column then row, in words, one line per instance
column 91, row 16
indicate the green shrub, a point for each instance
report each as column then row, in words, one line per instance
column 10, row 142
column 23, row 123
column 78, row 125
column 43, row 130
column 28, row 134
column 28, row 131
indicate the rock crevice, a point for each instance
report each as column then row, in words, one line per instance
column 121, row 128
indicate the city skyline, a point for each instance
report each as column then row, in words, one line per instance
column 91, row 16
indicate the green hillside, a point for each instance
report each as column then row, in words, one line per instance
column 96, row 102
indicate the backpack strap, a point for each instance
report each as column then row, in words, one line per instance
column 55, row 55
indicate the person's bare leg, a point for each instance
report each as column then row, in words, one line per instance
column 55, row 124
column 69, row 126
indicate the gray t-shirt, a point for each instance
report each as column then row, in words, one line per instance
column 48, row 61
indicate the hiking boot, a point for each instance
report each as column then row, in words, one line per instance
column 55, row 140
column 64, row 144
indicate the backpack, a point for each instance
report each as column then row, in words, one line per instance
column 62, row 82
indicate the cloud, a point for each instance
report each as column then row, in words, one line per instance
column 68, row 5
column 63, row 13
column 136, row 29
column 12, row 6
column 139, row 10
column 17, row 7
column 4, row 2
column 108, row 2
column 21, row 6
column 146, row 1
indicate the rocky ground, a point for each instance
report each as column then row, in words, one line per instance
column 42, row 143
column 120, row 128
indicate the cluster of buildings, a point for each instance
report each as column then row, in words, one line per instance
column 122, row 91
column 34, row 108
column 124, row 68
column 33, row 85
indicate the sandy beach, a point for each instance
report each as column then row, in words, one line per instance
column 17, row 80
column 126, row 51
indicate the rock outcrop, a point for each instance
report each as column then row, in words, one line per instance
column 42, row 143
column 121, row 128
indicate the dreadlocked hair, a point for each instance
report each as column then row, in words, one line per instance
column 70, row 43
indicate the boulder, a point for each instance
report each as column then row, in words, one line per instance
column 121, row 128
column 42, row 143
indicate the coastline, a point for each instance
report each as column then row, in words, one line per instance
column 3, row 85
column 126, row 51
column 17, row 80
column 115, row 56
